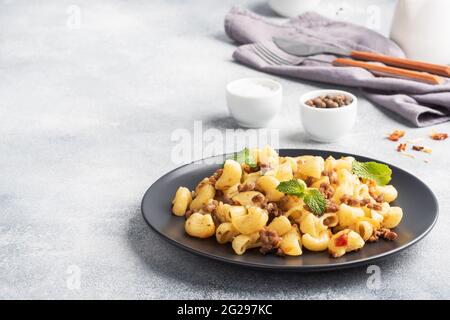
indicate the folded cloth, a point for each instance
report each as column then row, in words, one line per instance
column 419, row 103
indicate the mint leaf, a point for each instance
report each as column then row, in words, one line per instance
column 244, row 156
column 292, row 187
column 315, row 201
column 378, row 172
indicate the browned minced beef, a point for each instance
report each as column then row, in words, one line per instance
column 188, row 213
column 216, row 219
column 380, row 198
column 327, row 190
column 259, row 198
column 221, row 197
column 309, row 181
column 210, row 206
column 364, row 202
column 272, row 209
column 384, row 233
column 283, row 203
column 375, row 206
column 213, row 179
column 248, row 186
column 265, row 167
column 349, row 200
column 332, row 175
column 331, row 206
column 387, row 234
column 269, row 241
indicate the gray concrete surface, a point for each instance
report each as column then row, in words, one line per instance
column 86, row 117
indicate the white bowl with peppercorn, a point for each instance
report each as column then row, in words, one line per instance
column 328, row 115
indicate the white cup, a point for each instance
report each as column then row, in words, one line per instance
column 330, row 124
column 421, row 28
column 254, row 102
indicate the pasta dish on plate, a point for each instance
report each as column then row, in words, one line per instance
column 285, row 205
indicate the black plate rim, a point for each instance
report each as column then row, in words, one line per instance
column 305, row 268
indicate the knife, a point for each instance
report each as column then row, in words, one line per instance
column 300, row 48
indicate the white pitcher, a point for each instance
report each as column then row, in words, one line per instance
column 422, row 29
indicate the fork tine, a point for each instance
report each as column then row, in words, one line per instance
column 260, row 56
column 272, row 54
column 267, row 54
column 264, row 56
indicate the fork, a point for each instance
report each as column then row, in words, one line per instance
column 272, row 58
column 269, row 56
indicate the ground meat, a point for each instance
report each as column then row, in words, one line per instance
column 227, row 200
column 390, row 235
column 327, row 190
column 265, row 167
column 259, row 198
column 269, row 241
column 188, row 213
column 283, row 203
column 379, row 198
column 223, row 198
column 309, row 181
column 418, row 148
column 384, row 233
column 364, row 202
column 375, row 206
column 216, row 219
column 349, row 200
column 213, row 179
column 331, row 206
column 249, row 186
column 332, row 176
column 210, row 206
column 272, row 209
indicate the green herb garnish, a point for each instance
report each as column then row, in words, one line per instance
column 378, row 172
column 312, row 197
column 245, row 157
column 292, row 187
column 315, row 201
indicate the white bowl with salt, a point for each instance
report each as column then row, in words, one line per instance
column 254, row 102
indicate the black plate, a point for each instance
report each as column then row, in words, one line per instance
column 419, row 205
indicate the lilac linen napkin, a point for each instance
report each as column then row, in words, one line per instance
column 419, row 103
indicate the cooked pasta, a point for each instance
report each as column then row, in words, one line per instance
column 255, row 204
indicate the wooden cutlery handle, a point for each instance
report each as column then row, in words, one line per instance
column 391, row 71
column 403, row 63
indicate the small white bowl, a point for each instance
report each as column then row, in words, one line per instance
column 254, row 102
column 327, row 125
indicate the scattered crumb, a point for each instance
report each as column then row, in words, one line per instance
column 415, row 140
column 396, row 135
column 408, row 155
column 439, row 136
column 423, row 149
column 401, row 147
